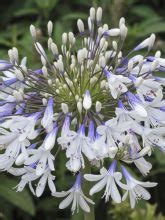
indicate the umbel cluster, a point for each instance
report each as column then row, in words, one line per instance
column 90, row 102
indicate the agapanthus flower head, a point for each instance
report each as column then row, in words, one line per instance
column 91, row 104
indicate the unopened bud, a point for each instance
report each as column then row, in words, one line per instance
column 45, row 71
column 43, row 60
column 114, row 44
column 98, row 106
column 64, row 108
column 64, row 38
column 19, row 75
column 33, row 32
column 93, row 80
column 92, row 14
column 158, row 54
column 54, row 49
column 79, row 106
column 122, row 21
column 99, row 14
column 130, row 65
column 151, row 41
column 50, row 82
column 87, row 102
column 154, row 65
column 44, row 102
column 80, row 26
column 50, row 28
column 15, row 54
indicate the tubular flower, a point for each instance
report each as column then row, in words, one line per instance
column 88, row 104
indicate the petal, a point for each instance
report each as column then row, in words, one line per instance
column 98, row 187
column 67, row 201
column 146, row 184
column 142, row 192
column 132, row 199
column 83, row 204
column 60, row 194
column 92, row 177
column 115, row 193
column 51, row 185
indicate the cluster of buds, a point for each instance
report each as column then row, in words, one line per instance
column 96, row 104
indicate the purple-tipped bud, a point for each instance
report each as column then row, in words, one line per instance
column 65, row 126
column 91, row 130
column 48, row 114
column 50, row 139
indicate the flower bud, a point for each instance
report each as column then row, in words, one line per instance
column 92, row 14
column 19, row 75
column 15, row 54
column 80, row 26
column 50, row 28
column 33, row 32
column 114, row 44
column 54, row 49
column 79, row 106
column 45, row 71
column 130, row 65
column 64, row 38
column 151, row 41
column 64, row 108
column 87, row 102
column 158, row 54
column 122, row 21
column 99, row 15
column 98, row 106
column 112, row 32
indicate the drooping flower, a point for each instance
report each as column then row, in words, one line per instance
column 135, row 188
column 106, row 179
column 74, row 196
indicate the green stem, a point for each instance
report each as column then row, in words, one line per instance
column 86, row 188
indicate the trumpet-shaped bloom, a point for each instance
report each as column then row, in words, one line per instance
column 74, row 196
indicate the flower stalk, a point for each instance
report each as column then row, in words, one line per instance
column 86, row 188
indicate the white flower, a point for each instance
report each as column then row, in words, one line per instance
column 78, row 145
column 106, row 179
column 13, row 147
column 111, row 133
column 155, row 109
column 46, row 177
column 116, row 83
column 74, row 196
column 135, row 188
column 154, row 137
column 136, row 105
column 143, row 166
column 43, row 159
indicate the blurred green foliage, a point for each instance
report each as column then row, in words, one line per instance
column 142, row 17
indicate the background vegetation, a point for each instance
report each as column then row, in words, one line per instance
column 143, row 17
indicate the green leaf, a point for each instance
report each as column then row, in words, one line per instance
column 46, row 4
column 22, row 200
column 26, row 11
column 74, row 16
column 144, row 11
